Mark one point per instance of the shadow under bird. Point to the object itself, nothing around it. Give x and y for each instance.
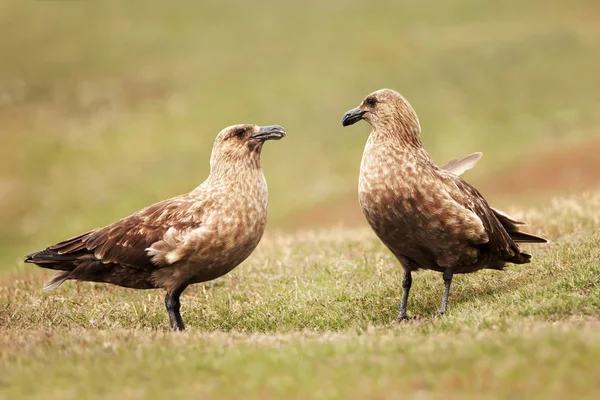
(427, 216)
(191, 238)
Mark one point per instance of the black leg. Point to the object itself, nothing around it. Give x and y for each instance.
(173, 305)
(447, 281)
(406, 283)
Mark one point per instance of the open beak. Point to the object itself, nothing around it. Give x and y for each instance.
(353, 116)
(271, 132)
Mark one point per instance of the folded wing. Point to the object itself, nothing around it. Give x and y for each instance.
(123, 243)
(458, 167)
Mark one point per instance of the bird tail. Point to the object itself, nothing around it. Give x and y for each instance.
(522, 237)
(52, 259)
(512, 228)
(64, 257)
(57, 280)
(61, 256)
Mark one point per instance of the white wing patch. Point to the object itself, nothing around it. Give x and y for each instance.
(174, 245)
(163, 252)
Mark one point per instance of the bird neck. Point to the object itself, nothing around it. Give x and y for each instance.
(396, 144)
(405, 136)
(228, 164)
(234, 174)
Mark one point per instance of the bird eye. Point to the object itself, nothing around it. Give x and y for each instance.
(240, 132)
(371, 101)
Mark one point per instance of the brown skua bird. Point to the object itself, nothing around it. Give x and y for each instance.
(427, 216)
(191, 238)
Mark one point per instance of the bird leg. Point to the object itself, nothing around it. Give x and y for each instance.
(406, 283)
(447, 281)
(173, 305)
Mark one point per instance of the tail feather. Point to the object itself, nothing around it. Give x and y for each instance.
(45, 257)
(522, 237)
(511, 226)
(57, 280)
(52, 259)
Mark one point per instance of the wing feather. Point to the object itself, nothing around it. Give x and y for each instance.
(460, 165)
(126, 241)
(499, 242)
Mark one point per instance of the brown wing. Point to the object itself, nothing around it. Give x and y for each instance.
(500, 243)
(123, 242)
(510, 225)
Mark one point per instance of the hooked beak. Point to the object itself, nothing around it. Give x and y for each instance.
(353, 116)
(271, 132)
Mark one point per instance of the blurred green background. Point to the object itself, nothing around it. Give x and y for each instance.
(108, 106)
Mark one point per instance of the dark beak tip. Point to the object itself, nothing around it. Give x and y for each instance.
(353, 116)
(271, 132)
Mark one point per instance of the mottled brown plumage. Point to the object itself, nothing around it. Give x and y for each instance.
(427, 216)
(188, 239)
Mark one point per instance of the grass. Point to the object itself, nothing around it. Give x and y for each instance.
(317, 319)
(109, 106)
(384, 365)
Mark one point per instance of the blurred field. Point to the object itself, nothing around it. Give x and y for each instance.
(109, 106)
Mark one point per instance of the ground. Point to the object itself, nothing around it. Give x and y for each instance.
(106, 107)
(318, 318)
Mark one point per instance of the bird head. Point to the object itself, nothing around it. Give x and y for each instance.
(385, 110)
(242, 144)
